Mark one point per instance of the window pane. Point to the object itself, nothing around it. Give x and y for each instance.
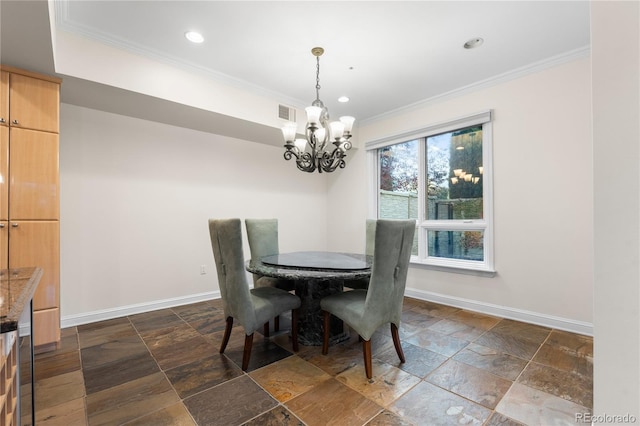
(454, 175)
(467, 245)
(398, 195)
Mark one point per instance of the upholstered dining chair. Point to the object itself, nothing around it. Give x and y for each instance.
(252, 308)
(363, 283)
(263, 241)
(366, 310)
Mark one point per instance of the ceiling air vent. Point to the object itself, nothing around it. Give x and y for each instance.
(286, 113)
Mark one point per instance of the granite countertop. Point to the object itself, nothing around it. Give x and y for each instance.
(313, 265)
(17, 287)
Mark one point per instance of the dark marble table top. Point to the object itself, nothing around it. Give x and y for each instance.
(17, 287)
(312, 265)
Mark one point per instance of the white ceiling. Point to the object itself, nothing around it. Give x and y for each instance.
(384, 55)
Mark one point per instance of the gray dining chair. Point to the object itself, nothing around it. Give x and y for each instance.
(252, 308)
(363, 283)
(263, 241)
(366, 310)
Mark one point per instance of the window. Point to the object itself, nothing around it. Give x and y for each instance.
(441, 177)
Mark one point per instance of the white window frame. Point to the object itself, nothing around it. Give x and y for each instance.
(423, 225)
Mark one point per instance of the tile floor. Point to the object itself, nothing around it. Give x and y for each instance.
(163, 368)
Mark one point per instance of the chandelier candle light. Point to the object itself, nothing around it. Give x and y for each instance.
(315, 152)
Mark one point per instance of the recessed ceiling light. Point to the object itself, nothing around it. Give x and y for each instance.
(343, 99)
(474, 42)
(194, 37)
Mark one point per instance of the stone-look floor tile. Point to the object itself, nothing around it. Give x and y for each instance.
(492, 360)
(440, 407)
(418, 361)
(68, 343)
(288, 378)
(387, 418)
(562, 359)
(231, 403)
(105, 376)
(457, 329)
(154, 320)
(54, 365)
(209, 325)
(202, 374)
(59, 389)
(534, 407)
(498, 419)
(517, 346)
(412, 322)
(387, 384)
(174, 415)
(130, 400)
(477, 385)
(168, 336)
(71, 413)
(339, 358)
(332, 403)
(173, 352)
(263, 352)
(474, 319)
(576, 344)
(117, 330)
(99, 325)
(279, 416)
(532, 332)
(566, 385)
(434, 309)
(113, 351)
(437, 342)
(197, 311)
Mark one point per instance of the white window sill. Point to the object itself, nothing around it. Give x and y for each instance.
(465, 270)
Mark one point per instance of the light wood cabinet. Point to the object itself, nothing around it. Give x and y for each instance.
(4, 244)
(4, 98)
(34, 188)
(4, 173)
(37, 243)
(34, 103)
(30, 191)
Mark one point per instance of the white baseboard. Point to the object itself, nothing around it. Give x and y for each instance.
(550, 321)
(559, 323)
(122, 311)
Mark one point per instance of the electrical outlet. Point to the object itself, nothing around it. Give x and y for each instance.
(203, 269)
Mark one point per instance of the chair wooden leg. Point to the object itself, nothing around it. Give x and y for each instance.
(248, 342)
(276, 323)
(366, 351)
(326, 316)
(227, 334)
(396, 342)
(294, 329)
(266, 329)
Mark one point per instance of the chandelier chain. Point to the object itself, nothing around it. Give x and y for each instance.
(318, 77)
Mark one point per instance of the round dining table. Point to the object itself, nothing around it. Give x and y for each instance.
(316, 274)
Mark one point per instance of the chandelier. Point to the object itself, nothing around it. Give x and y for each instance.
(326, 143)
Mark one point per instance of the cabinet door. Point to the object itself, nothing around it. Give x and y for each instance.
(4, 98)
(4, 173)
(34, 103)
(34, 186)
(4, 244)
(34, 243)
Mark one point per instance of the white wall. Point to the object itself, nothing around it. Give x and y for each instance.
(135, 200)
(615, 34)
(543, 197)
